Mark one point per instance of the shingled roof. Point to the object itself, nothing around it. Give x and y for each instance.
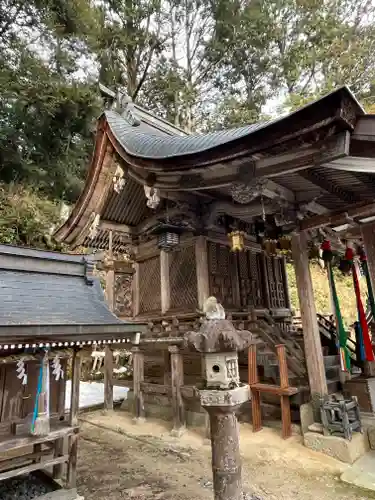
(54, 296)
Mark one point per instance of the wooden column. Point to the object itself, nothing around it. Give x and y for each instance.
(203, 282)
(368, 236)
(110, 276)
(256, 410)
(59, 443)
(311, 334)
(164, 282)
(108, 379)
(138, 378)
(266, 287)
(177, 381)
(135, 290)
(73, 420)
(288, 303)
(74, 397)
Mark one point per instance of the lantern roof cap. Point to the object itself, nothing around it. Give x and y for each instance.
(218, 335)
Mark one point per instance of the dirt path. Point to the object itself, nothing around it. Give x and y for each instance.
(144, 462)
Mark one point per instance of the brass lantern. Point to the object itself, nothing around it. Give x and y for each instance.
(237, 240)
(285, 244)
(270, 247)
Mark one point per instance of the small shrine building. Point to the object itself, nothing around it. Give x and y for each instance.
(216, 215)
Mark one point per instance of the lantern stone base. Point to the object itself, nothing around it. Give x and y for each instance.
(225, 398)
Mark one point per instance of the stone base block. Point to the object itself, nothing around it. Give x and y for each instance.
(307, 417)
(371, 436)
(337, 447)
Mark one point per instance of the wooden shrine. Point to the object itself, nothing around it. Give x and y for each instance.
(51, 309)
(217, 214)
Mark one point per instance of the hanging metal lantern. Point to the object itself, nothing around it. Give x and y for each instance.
(285, 244)
(237, 241)
(168, 236)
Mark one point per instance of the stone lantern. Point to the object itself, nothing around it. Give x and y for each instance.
(222, 395)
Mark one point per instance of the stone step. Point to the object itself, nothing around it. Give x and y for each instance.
(316, 427)
(331, 360)
(333, 372)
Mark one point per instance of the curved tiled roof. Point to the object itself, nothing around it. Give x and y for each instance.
(149, 142)
(144, 141)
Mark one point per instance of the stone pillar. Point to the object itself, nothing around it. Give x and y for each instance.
(225, 446)
(222, 396)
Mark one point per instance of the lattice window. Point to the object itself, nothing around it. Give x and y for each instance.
(149, 285)
(183, 279)
(276, 282)
(250, 280)
(220, 265)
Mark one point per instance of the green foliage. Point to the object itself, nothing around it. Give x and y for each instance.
(345, 291)
(26, 217)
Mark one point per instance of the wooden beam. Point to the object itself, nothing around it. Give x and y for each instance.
(74, 399)
(164, 282)
(326, 151)
(311, 333)
(106, 225)
(337, 218)
(203, 281)
(177, 381)
(72, 462)
(138, 378)
(108, 379)
(330, 187)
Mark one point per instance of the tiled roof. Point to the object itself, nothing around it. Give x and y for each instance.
(48, 290)
(144, 141)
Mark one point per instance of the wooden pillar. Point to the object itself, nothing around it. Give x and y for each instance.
(110, 276)
(74, 397)
(266, 286)
(73, 420)
(368, 236)
(177, 381)
(138, 378)
(203, 282)
(288, 303)
(164, 282)
(311, 334)
(108, 379)
(59, 443)
(256, 410)
(135, 290)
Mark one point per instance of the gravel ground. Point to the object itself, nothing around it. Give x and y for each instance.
(23, 488)
(120, 460)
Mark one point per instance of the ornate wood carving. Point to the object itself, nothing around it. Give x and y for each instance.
(123, 295)
(183, 279)
(149, 285)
